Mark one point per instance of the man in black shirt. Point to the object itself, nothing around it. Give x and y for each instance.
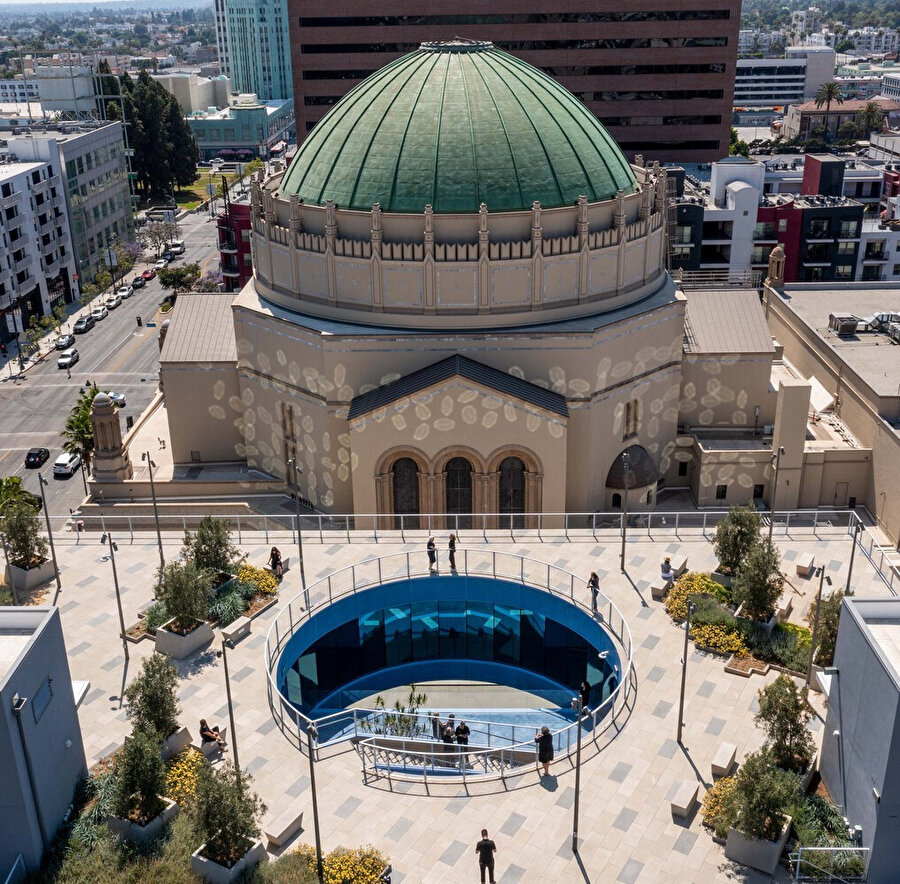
(462, 734)
(486, 849)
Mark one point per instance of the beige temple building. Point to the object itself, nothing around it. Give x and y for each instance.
(460, 306)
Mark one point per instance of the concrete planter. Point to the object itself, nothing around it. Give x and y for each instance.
(724, 579)
(175, 743)
(755, 852)
(137, 834)
(180, 646)
(810, 773)
(25, 579)
(213, 873)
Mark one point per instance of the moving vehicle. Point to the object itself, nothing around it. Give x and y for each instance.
(113, 301)
(63, 342)
(149, 274)
(66, 464)
(99, 313)
(118, 399)
(176, 247)
(34, 499)
(68, 358)
(36, 457)
(86, 323)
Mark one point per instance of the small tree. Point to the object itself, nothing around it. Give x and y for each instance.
(402, 720)
(21, 531)
(227, 813)
(141, 779)
(829, 620)
(735, 536)
(151, 703)
(761, 792)
(758, 582)
(783, 715)
(79, 431)
(179, 278)
(185, 591)
(210, 548)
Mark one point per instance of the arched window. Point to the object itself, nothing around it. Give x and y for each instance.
(406, 492)
(458, 480)
(617, 501)
(512, 493)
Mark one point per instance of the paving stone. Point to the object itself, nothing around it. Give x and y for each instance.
(656, 673)
(685, 842)
(650, 642)
(619, 772)
(298, 787)
(512, 875)
(668, 749)
(630, 872)
(625, 818)
(663, 708)
(706, 689)
(399, 829)
(241, 674)
(715, 726)
(79, 649)
(348, 807)
(512, 824)
(115, 663)
(566, 797)
(452, 855)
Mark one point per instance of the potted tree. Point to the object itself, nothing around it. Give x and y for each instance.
(26, 550)
(227, 820)
(784, 714)
(758, 583)
(151, 705)
(735, 536)
(211, 550)
(140, 810)
(185, 591)
(755, 810)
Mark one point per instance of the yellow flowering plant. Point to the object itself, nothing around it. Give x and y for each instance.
(693, 583)
(361, 865)
(181, 776)
(714, 808)
(264, 580)
(719, 638)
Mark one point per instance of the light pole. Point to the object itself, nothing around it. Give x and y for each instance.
(687, 632)
(579, 710)
(625, 464)
(312, 734)
(297, 472)
(150, 465)
(43, 482)
(228, 643)
(812, 649)
(84, 477)
(857, 527)
(107, 538)
(775, 459)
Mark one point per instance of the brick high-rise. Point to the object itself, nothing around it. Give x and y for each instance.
(659, 76)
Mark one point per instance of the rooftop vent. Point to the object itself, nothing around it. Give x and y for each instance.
(842, 325)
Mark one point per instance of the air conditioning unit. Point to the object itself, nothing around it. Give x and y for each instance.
(842, 325)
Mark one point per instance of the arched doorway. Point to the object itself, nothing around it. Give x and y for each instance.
(512, 493)
(406, 492)
(458, 484)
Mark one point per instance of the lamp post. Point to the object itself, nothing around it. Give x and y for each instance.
(312, 733)
(625, 464)
(857, 527)
(43, 482)
(687, 632)
(84, 476)
(107, 538)
(150, 465)
(297, 472)
(812, 649)
(775, 459)
(579, 710)
(228, 643)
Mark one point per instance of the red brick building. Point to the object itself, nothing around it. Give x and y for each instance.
(233, 229)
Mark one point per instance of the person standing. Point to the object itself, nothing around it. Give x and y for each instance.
(436, 725)
(462, 734)
(448, 735)
(486, 849)
(432, 556)
(452, 545)
(584, 692)
(594, 587)
(544, 739)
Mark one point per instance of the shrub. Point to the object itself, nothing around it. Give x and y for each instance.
(829, 619)
(710, 612)
(735, 536)
(762, 790)
(182, 774)
(264, 581)
(141, 779)
(714, 808)
(150, 699)
(210, 548)
(156, 615)
(689, 584)
(783, 715)
(21, 530)
(361, 865)
(758, 582)
(227, 608)
(185, 591)
(99, 794)
(719, 638)
(790, 646)
(227, 813)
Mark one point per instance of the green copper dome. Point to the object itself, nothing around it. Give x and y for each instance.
(456, 125)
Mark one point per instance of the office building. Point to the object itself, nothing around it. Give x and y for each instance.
(780, 81)
(259, 53)
(658, 76)
(196, 93)
(222, 37)
(245, 125)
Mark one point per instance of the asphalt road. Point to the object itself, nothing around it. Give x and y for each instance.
(115, 354)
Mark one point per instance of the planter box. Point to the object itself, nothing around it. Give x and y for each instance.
(724, 579)
(25, 579)
(130, 831)
(213, 873)
(810, 773)
(755, 852)
(180, 646)
(175, 743)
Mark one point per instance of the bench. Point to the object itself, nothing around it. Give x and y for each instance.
(723, 761)
(679, 564)
(784, 605)
(281, 828)
(237, 630)
(659, 589)
(805, 563)
(212, 747)
(685, 799)
(285, 566)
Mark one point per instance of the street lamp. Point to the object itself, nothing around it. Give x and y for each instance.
(312, 733)
(812, 648)
(857, 527)
(579, 710)
(228, 643)
(42, 482)
(150, 465)
(107, 538)
(84, 476)
(297, 471)
(625, 463)
(687, 631)
(775, 459)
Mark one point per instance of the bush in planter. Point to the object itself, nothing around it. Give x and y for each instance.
(140, 779)
(263, 580)
(693, 583)
(21, 530)
(709, 611)
(156, 615)
(790, 646)
(151, 704)
(735, 536)
(361, 865)
(829, 619)
(783, 715)
(210, 548)
(182, 773)
(227, 608)
(714, 808)
(719, 638)
(227, 813)
(758, 582)
(185, 591)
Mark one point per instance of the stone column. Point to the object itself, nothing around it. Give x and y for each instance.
(110, 462)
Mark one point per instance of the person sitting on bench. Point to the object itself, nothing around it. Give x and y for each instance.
(211, 735)
(275, 562)
(666, 572)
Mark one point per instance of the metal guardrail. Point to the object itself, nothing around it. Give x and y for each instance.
(17, 871)
(834, 865)
(400, 566)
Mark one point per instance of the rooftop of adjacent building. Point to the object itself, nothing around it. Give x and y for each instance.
(243, 102)
(17, 628)
(879, 621)
(12, 170)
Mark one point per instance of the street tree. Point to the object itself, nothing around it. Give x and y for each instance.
(157, 234)
(179, 278)
(78, 432)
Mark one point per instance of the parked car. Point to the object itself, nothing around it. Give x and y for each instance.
(149, 274)
(99, 313)
(118, 399)
(68, 358)
(125, 291)
(66, 464)
(36, 457)
(63, 342)
(169, 256)
(113, 301)
(137, 283)
(86, 323)
(161, 264)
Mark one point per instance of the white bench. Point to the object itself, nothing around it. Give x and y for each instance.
(659, 589)
(805, 563)
(211, 747)
(237, 630)
(679, 564)
(285, 565)
(723, 761)
(281, 828)
(784, 605)
(685, 799)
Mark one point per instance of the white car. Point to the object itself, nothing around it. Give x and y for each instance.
(99, 313)
(67, 358)
(161, 264)
(113, 301)
(125, 291)
(118, 399)
(66, 464)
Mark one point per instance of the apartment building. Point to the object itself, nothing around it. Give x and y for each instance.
(659, 76)
(233, 231)
(18, 90)
(780, 81)
(259, 55)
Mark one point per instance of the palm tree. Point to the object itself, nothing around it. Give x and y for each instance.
(826, 94)
(12, 493)
(78, 431)
(870, 118)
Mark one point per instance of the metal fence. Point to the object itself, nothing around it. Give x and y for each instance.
(831, 864)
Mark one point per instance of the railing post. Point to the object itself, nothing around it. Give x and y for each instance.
(704, 524)
(321, 537)
(375, 523)
(521, 569)
(380, 581)
(787, 523)
(494, 564)
(548, 578)
(484, 527)
(184, 523)
(402, 529)
(131, 529)
(566, 524)
(266, 528)
(347, 522)
(594, 526)
(677, 515)
(815, 520)
(540, 523)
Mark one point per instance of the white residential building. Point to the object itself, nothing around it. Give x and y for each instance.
(875, 40)
(18, 90)
(805, 22)
(782, 81)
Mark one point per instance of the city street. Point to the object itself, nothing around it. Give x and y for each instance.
(116, 354)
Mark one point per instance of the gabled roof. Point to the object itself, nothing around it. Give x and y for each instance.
(725, 321)
(463, 367)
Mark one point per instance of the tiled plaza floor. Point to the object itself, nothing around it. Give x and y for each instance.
(627, 831)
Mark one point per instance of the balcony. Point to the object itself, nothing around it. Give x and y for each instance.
(228, 246)
(231, 271)
(12, 200)
(22, 263)
(875, 255)
(40, 186)
(820, 233)
(47, 226)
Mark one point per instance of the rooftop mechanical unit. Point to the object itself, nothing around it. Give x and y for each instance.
(842, 325)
